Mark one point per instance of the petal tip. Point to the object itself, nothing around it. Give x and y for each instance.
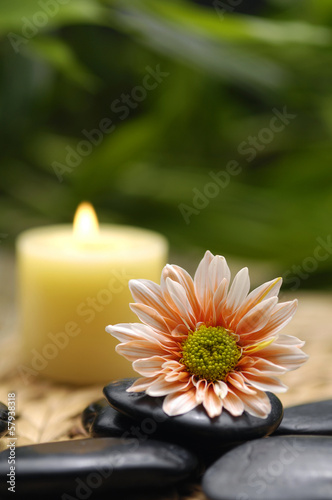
(133, 282)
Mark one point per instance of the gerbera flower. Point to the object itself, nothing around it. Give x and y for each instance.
(204, 341)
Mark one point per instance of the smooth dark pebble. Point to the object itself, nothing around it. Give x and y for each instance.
(87, 466)
(99, 419)
(312, 418)
(195, 425)
(276, 468)
(3, 420)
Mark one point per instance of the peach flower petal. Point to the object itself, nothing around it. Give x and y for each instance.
(233, 404)
(257, 405)
(237, 380)
(149, 367)
(179, 275)
(263, 292)
(149, 293)
(201, 280)
(212, 403)
(181, 303)
(264, 383)
(257, 317)
(178, 403)
(239, 290)
(138, 349)
(161, 387)
(150, 317)
(280, 317)
(218, 271)
(136, 331)
(141, 384)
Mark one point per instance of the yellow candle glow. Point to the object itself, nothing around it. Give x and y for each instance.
(72, 284)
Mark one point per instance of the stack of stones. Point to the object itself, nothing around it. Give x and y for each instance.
(137, 448)
(138, 416)
(294, 463)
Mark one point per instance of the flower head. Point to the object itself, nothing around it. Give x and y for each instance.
(207, 341)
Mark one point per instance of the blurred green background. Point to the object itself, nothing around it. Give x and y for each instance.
(165, 96)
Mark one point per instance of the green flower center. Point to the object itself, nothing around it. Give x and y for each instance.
(210, 352)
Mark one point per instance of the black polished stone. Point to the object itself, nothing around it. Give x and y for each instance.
(311, 418)
(276, 468)
(100, 419)
(3, 419)
(195, 425)
(93, 466)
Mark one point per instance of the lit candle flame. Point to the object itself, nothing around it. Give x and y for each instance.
(86, 224)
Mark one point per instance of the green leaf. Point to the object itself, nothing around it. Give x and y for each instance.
(219, 24)
(27, 18)
(62, 58)
(197, 49)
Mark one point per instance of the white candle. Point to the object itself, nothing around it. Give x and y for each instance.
(74, 283)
